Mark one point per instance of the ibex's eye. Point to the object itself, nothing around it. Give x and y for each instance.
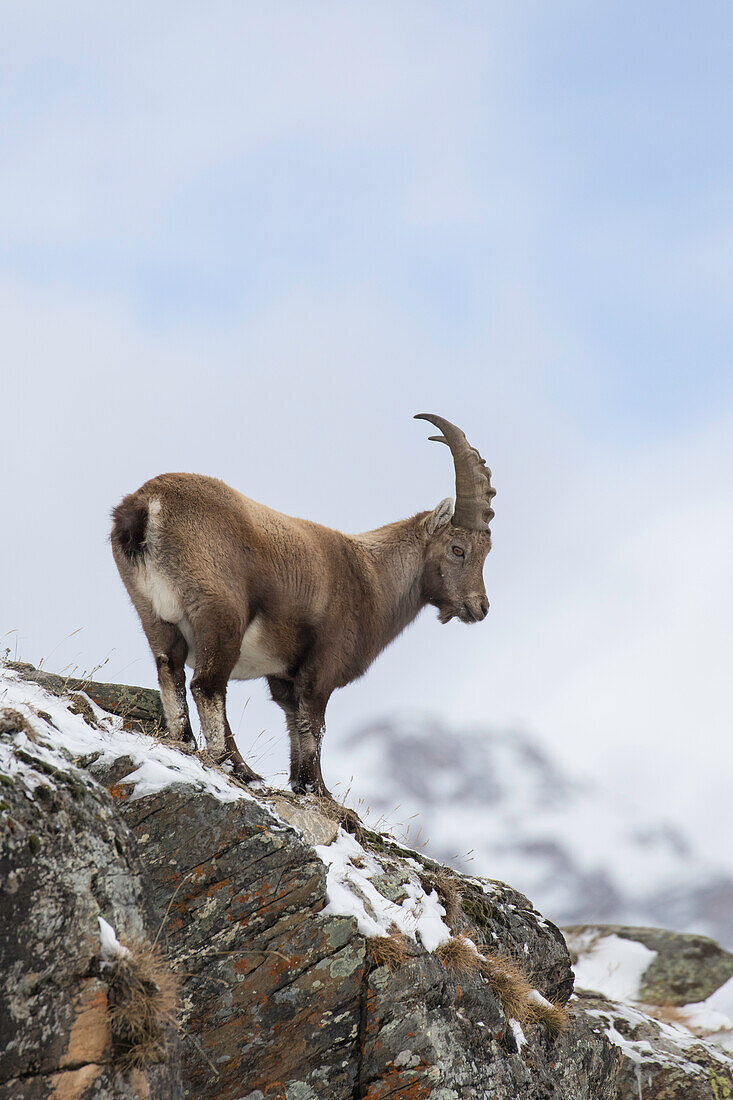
(458, 551)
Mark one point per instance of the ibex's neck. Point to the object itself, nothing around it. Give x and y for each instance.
(396, 555)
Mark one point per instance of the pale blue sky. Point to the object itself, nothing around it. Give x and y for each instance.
(251, 240)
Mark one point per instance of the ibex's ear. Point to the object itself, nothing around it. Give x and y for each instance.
(439, 516)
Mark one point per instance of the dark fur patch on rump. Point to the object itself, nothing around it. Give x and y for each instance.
(130, 527)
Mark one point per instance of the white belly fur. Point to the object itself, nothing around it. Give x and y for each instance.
(255, 660)
(152, 584)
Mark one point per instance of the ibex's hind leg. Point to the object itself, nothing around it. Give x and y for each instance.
(170, 661)
(169, 649)
(217, 642)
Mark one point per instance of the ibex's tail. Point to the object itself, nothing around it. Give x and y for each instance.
(130, 526)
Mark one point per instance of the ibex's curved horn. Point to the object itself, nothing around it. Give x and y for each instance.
(473, 478)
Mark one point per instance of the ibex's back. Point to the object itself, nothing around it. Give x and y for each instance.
(240, 591)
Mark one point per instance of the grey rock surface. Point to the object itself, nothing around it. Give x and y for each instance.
(278, 996)
(139, 707)
(66, 858)
(660, 1061)
(283, 997)
(687, 968)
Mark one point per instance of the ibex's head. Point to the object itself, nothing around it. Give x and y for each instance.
(459, 539)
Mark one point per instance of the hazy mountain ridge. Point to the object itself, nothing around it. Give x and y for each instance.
(580, 852)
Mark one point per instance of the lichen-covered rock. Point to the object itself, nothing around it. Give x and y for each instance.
(66, 859)
(281, 1000)
(282, 994)
(660, 1061)
(674, 1027)
(276, 920)
(273, 916)
(685, 968)
(267, 989)
(428, 1034)
(140, 708)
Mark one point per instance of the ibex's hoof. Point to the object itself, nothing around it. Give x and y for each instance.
(233, 762)
(230, 764)
(180, 746)
(318, 789)
(243, 771)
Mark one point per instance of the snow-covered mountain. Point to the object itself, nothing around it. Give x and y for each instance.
(493, 803)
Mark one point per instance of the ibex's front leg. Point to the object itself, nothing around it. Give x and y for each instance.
(311, 726)
(283, 693)
(305, 719)
(217, 641)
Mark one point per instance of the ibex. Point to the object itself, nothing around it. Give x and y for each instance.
(239, 591)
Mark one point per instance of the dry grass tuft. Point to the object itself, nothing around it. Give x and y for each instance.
(389, 951)
(508, 982)
(12, 721)
(519, 999)
(350, 821)
(554, 1016)
(141, 1005)
(458, 955)
(450, 896)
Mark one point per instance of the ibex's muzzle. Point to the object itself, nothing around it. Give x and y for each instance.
(475, 609)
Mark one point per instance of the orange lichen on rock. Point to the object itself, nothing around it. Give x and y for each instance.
(89, 1038)
(74, 1084)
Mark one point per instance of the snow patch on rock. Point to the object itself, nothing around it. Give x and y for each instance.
(352, 893)
(615, 966)
(611, 965)
(110, 948)
(63, 734)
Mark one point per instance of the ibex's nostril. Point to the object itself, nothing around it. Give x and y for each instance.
(475, 609)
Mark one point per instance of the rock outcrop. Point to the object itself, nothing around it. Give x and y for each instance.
(316, 959)
(660, 1061)
(676, 970)
(66, 859)
(666, 1000)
